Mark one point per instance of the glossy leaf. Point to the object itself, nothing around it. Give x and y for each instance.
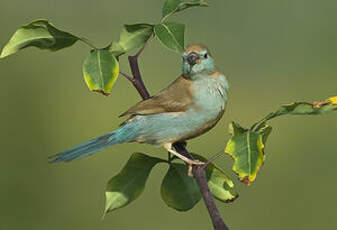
(128, 185)
(246, 147)
(131, 37)
(134, 36)
(41, 34)
(116, 49)
(170, 6)
(220, 185)
(171, 35)
(178, 190)
(173, 6)
(303, 108)
(100, 71)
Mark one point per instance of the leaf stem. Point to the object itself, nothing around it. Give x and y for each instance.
(87, 42)
(210, 160)
(145, 44)
(198, 171)
(126, 76)
(164, 18)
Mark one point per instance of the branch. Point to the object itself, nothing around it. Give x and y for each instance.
(200, 177)
(198, 171)
(137, 78)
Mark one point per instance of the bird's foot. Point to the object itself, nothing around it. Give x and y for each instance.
(188, 161)
(190, 167)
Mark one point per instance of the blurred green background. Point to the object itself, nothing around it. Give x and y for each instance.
(273, 52)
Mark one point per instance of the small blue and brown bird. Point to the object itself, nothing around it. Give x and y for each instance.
(187, 108)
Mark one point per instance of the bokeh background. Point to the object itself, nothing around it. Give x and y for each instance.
(273, 52)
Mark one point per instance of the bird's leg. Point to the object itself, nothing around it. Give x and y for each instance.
(190, 162)
(169, 148)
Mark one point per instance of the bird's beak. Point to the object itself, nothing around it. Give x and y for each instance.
(192, 58)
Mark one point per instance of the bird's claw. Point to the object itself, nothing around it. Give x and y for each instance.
(190, 167)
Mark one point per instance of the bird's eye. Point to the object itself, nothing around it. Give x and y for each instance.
(205, 56)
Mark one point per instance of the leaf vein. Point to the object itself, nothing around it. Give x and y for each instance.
(100, 68)
(170, 33)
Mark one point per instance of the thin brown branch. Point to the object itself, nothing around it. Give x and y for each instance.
(145, 44)
(137, 79)
(198, 171)
(210, 160)
(126, 76)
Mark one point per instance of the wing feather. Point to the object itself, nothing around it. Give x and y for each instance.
(177, 97)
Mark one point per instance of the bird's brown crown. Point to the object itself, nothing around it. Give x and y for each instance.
(195, 48)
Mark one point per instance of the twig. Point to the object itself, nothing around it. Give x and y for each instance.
(198, 171)
(87, 42)
(126, 76)
(210, 160)
(145, 44)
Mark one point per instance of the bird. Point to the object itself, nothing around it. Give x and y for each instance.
(190, 106)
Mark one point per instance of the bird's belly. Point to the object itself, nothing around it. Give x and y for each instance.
(204, 127)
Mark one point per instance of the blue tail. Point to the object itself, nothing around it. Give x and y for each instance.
(95, 145)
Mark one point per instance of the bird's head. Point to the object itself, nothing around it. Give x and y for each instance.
(197, 60)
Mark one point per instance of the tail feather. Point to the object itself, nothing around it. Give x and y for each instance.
(87, 148)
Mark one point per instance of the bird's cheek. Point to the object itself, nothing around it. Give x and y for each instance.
(186, 68)
(197, 67)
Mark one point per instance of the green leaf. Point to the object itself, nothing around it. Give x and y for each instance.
(171, 34)
(265, 131)
(303, 108)
(178, 190)
(100, 70)
(131, 37)
(170, 6)
(128, 185)
(173, 6)
(116, 49)
(220, 185)
(246, 147)
(41, 34)
(134, 36)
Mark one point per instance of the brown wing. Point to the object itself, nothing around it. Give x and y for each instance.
(177, 97)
